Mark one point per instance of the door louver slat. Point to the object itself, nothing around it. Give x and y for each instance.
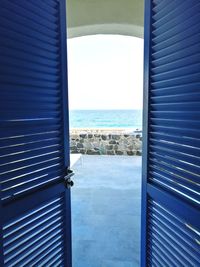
(34, 151)
(170, 157)
(27, 238)
(171, 168)
(30, 164)
(176, 237)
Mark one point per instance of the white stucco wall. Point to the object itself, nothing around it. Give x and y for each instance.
(88, 17)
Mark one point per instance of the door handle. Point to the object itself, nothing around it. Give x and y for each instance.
(67, 179)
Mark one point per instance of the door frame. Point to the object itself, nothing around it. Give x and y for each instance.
(66, 142)
(145, 123)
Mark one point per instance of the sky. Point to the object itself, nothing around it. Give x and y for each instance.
(105, 72)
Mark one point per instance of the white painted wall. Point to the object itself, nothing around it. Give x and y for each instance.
(89, 17)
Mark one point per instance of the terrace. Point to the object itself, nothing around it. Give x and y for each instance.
(106, 211)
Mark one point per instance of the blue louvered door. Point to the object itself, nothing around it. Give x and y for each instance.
(171, 158)
(34, 154)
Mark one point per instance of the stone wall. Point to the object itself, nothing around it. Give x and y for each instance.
(106, 142)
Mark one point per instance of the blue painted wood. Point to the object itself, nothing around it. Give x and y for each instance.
(68, 238)
(1, 233)
(171, 147)
(35, 221)
(147, 56)
(17, 208)
(176, 204)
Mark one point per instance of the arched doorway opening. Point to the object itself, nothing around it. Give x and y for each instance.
(105, 89)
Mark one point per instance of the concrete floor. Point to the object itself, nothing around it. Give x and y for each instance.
(106, 211)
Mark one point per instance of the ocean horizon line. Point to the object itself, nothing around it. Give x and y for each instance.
(129, 118)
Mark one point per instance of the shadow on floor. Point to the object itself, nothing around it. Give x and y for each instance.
(106, 211)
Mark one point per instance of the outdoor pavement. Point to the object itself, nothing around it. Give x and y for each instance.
(106, 200)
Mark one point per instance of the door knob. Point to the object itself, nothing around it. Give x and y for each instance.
(69, 183)
(67, 179)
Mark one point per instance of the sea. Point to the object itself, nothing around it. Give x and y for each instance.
(131, 119)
